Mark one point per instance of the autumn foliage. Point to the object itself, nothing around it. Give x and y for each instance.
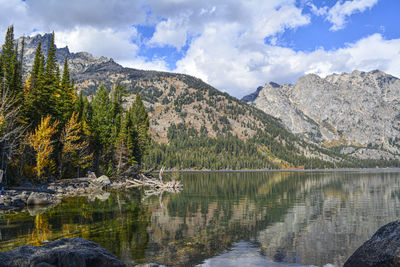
(41, 141)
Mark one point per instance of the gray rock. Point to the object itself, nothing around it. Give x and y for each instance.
(91, 175)
(101, 181)
(40, 198)
(383, 249)
(66, 252)
(358, 109)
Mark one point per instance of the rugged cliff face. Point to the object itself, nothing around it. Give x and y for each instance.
(357, 113)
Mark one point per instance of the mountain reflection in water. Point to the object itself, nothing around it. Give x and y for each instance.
(299, 218)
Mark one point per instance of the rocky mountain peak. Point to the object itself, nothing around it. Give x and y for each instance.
(358, 112)
(78, 62)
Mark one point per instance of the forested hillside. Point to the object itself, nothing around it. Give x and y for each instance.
(47, 131)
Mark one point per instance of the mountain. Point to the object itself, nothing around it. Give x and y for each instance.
(356, 113)
(193, 124)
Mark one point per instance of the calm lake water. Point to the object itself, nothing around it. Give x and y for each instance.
(225, 219)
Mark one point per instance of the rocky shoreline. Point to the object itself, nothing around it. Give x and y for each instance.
(18, 198)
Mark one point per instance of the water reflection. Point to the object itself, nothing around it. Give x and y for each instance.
(305, 218)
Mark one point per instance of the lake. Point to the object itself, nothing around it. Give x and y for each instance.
(224, 219)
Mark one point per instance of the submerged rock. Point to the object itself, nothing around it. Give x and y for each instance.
(383, 249)
(66, 252)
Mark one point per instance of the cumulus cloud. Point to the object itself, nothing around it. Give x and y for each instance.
(240, 72)
(341, 10)
(222, 42)
(171, 32)
(144, 64)
(100, 42)
(60, 15)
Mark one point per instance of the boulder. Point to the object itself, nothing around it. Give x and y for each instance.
(65, 252)
(41, 198)
(382, 249)
(101, 181)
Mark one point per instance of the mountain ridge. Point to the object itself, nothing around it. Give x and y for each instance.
(355, 113)
(183, 108)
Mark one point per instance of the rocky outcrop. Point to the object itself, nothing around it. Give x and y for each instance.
(66, 252)
(383, 249)
(358, 112)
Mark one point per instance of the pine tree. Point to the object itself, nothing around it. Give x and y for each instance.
(102, 117)
(101, 123)
(41, 141)
(123, 155)
(30, 113)
(67, 94)
(51, 65)
(43, 97)
(18, 73)
(117, 101)
(47, 91)
(140, 129)
(9, 62)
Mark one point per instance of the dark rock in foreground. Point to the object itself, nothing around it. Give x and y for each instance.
(66, 252)
(383, 249)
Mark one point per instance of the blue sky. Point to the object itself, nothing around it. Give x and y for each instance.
(234, 45)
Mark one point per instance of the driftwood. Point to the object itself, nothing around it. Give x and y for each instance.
(157, 187)
(145, 181)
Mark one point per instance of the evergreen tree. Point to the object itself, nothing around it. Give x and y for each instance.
(138, 124)
(18, 73)
(117, 94)
(123, 153)
(102, 117)
(101, 123)
(51, 65)
(9, 62)
(67, 94)
(47, 92)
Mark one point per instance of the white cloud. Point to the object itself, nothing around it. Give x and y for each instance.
(171, 32)
(14, 12)
(340, 11)
(58, 15)
(318, 11)
(225, 38)
(144, 64)
(107, 42)
(241, 71)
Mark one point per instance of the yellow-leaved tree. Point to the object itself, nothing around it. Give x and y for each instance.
(40, 141)
(75, 150)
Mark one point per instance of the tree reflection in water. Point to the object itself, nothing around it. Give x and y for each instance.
(311, 219)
